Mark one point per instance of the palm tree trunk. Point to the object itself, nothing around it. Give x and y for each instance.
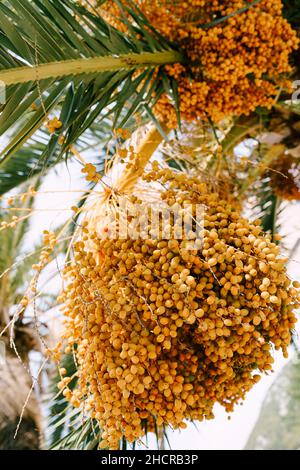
(15, 385)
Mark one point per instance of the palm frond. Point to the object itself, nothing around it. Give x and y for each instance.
(291, 10)
(59, 55)
(267, 207)
(31, 161)
(12, 238)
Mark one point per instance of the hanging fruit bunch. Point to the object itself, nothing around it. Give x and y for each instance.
(162, 331)
(237, 54)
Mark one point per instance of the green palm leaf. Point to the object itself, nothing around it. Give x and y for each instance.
(59, 56)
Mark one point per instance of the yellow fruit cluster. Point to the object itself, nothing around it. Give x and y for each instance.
(91, 173)
(160, 332)
(233, 66)
(285, 178)
(53, 125)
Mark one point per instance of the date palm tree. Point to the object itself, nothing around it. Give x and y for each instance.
(62, 58)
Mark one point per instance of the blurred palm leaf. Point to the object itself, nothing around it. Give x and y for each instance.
(11, 249)
(268, 207)
(278, 426)
(291, 10)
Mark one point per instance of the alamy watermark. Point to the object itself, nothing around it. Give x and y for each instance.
(154, 221)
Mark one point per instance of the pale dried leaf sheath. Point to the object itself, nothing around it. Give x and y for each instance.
(142, 154)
